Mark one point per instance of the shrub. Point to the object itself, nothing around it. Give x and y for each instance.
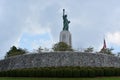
(62, 72)
(75, 72)
(67, 72)
(84, 72)
(99, 72)
(117, 71)
(108, 72)
(52, 73)
(59, 72)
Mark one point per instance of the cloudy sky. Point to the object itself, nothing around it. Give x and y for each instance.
(33, 23)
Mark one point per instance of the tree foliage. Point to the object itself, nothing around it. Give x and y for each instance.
(61, 46)
(107, 51)
(14, 51)
(89, 49)
(39, 50)
(63, 72)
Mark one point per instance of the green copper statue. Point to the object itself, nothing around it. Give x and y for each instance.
(65, 21)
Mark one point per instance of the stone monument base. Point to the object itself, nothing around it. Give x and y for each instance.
(65, 37)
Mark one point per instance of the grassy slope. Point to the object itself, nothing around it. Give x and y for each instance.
(104, 78)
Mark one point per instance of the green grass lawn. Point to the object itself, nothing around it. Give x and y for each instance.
(103, 78)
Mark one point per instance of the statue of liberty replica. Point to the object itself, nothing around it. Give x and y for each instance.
(65, 35)
(65, 21)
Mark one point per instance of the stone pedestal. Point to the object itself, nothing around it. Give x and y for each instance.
(65, 37)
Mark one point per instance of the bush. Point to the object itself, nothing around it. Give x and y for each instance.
(67, 72)
(117, 72)
(109, 71)
(75, 72)
(59, 72)
(99, 72)
(52, 73)
(91, 73)
(84, 72)
(62, 72)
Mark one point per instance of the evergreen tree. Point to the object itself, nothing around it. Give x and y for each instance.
(14, 51)
(61, 46)
(89, 49)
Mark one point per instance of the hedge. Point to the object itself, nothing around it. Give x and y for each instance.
(62, 72)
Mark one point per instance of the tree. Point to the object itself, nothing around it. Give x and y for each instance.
(118, 54)
(39, 50)
(89, 49)
(14, 51)
(107, 51)
(46, 49)
(61, 46)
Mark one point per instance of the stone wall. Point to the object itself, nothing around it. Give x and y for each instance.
(60, 59)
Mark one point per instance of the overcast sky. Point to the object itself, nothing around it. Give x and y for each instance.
(33, 23)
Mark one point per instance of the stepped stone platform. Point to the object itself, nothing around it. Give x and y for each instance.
(56, 59)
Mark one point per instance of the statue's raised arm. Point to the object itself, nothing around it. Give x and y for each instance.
(65, 21)
(63, 12)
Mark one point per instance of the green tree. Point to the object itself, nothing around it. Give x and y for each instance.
(39, 50)
(61, 46)
(14, 51)
(107, 51)
(89, 49)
